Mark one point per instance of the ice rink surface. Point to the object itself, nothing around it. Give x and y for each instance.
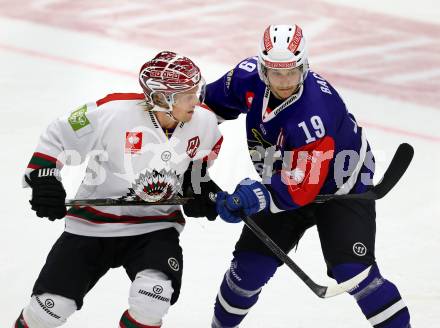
(383, 57)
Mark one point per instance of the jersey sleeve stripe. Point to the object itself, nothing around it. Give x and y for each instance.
(40, 160)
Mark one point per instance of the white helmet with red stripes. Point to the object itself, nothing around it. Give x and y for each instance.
(282, 47)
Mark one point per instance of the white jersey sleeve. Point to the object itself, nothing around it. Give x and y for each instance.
(68, 139)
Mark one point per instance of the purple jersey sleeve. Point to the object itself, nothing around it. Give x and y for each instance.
(227, 96)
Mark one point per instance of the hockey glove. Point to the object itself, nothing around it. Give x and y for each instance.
(202, 205)
(48, 194)
(249, 197)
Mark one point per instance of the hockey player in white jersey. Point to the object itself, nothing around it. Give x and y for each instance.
(140, 147)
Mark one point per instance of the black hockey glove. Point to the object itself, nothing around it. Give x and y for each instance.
(48, 194)
(201, 205)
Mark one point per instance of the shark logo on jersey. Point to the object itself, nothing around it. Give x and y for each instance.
(155, 186)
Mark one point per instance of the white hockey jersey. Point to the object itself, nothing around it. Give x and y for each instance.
(130, 155)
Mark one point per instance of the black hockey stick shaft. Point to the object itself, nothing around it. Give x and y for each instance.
(398, 166)
(282, 256)
(124, 202)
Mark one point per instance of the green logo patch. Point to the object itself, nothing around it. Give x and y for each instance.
(78, 118)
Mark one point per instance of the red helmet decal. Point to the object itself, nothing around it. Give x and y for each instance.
(168, 73)
(296, 39)
(266, 39)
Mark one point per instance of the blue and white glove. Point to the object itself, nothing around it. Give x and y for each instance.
(249, 197)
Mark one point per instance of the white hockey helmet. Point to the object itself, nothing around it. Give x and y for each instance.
(282, 47)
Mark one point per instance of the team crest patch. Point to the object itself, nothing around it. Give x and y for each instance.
(133, 142)
(193, 145)
(155, 186)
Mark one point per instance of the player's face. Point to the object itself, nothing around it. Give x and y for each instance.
(284, 82)
(184, 104)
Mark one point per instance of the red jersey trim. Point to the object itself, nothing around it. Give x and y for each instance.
(214, 151)
(120, 96)
(205, 106)
(312, 162)
(95, 216)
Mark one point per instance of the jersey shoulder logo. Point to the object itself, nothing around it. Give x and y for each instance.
(79, 122)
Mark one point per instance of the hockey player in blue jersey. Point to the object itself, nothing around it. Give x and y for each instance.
(303, 142)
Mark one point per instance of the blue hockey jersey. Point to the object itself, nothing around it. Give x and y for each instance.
(306, 145)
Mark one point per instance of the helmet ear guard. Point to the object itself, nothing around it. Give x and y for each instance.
(282, 47)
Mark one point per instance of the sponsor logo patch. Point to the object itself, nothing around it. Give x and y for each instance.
(78, 119)
(133, 142)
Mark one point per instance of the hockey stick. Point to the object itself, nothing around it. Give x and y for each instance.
(320, 291)
(400, 162)
(124, 202)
